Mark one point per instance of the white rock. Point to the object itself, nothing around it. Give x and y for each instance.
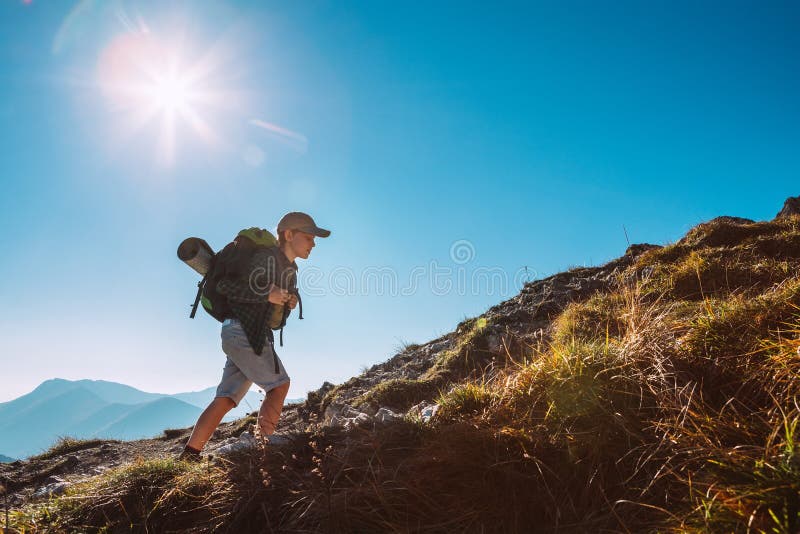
(333, 410)
(369, 410)
(337, 420)
(362, 419)
(429, 412)
(385, 415)
(350, 412)
(245, 441)
(57, 488)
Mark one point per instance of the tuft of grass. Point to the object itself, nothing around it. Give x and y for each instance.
(68, 444)
(148, 495)
(722, 257)
(466, 400)
(753, 489)
(405, 346)
(245, 423)
(468, 357)
(599, 317)
(747, 348)
(717, 273)
(726, 232)
(399, 394)
(172, 433)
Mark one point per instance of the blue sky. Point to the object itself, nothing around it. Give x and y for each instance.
(479, 138)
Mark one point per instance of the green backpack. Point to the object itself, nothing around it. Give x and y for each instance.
(233, 262)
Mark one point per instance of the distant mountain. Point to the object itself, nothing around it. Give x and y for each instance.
(36, 424)
(96, 408)
(6, 459)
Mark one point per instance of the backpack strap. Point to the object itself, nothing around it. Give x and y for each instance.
(299, 302)
(271, 339)
(296, 293)
(200, 286)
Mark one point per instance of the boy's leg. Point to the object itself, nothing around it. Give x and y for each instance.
(232, 388)
(271, 407)
(208, 422)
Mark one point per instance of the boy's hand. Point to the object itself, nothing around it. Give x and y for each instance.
(292, 302)
(278, 296)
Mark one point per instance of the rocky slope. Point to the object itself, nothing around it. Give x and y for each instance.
(513, 383)
(522, 319)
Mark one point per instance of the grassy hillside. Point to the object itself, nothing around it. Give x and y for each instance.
(667, 402)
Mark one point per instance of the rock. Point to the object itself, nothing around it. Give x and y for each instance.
(245, 441)
(385, 415)
(790, 207)
(347, 418)
(638, 248)
(417, 408)
(496, 342)
(371, 410)
(277, 440)
(65, 465)
(337, 421)
(53, 486)
(429, 413)
(323, 390)
(342, 411)
(333, 410)
(361, 420)
(424, 410)
(438, 346)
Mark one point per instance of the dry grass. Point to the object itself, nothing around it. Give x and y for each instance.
(717, 273)
(154, 495)
(67, 444)
(722, 257)
(469, 357)
(596, 318)
(399, 394)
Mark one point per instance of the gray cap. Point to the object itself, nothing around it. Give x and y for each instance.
(297, 220)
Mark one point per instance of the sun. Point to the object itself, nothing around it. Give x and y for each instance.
(150, 82)
(170, 93)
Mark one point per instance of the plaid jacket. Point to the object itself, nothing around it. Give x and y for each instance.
(247, 296)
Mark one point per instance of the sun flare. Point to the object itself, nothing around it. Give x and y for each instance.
(170, 93)
(146, 80)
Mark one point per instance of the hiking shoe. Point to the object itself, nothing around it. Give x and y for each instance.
(190, 456)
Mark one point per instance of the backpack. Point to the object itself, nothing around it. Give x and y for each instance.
(233, 262)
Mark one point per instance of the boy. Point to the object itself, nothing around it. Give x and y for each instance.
(258, 301)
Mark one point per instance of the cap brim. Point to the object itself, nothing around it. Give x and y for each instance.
(315, 230)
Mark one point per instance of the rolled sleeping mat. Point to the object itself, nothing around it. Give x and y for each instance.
(196, 253)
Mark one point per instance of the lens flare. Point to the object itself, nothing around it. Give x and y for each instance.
(145, 80)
